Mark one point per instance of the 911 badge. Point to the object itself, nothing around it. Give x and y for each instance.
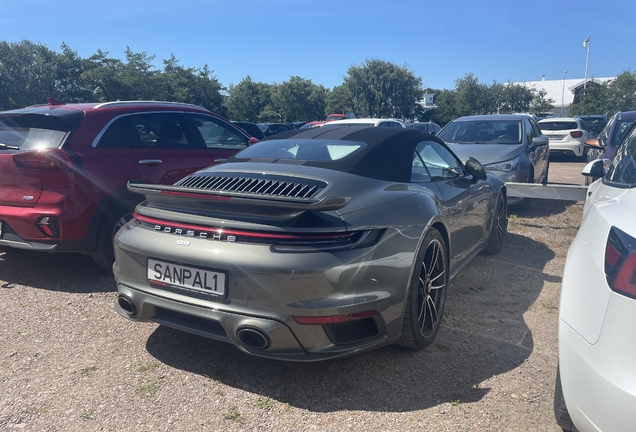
(182, 243)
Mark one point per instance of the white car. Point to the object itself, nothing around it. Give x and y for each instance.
(567, 135)
(366, 122)
(596, 378)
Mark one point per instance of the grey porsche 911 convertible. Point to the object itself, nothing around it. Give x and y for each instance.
(311, 245)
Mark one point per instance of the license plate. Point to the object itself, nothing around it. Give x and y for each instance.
(186, 277)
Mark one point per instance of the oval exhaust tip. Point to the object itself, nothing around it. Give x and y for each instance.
(127, 305)
(252, 338)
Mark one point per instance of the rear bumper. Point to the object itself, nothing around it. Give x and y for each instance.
(284, 336)
(599, 380)
(572, 148)
(20, 231)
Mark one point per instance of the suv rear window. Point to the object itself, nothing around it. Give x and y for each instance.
(558, 125)
(310, 150)
(30, 132)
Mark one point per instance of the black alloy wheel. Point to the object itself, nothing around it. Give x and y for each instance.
(427, 293)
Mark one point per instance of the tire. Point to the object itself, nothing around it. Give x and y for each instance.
(116, 217)
(426, 293)
(499, 227)
(561, 414)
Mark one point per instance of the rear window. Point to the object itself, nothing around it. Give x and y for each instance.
(309, 150)
(29, 132)
(558, 125)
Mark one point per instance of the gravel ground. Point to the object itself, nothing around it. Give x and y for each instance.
(68, 362)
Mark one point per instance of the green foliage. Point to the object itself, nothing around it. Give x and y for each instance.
(382, 89)
(338, 100)
(30, 72)
(607, 97)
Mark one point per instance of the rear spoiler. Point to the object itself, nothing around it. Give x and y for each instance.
(232, 202)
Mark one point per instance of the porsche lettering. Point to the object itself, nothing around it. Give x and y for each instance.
(195, 233)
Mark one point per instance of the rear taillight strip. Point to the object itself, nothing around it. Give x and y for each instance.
(241, 233)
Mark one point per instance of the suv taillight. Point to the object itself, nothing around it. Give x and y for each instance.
(47, 159)
(620, 262)
(576, 134)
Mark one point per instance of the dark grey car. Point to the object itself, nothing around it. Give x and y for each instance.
(315, 244)
(510, 146)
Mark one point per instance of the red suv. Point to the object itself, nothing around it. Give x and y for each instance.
(64, 167)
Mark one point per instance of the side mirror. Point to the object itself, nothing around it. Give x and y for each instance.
(475, 169)
(540, 140)
(253, 140)
(593, 143)
(596, 168)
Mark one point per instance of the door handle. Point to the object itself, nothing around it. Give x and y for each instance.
(219, 160)
(150, 161)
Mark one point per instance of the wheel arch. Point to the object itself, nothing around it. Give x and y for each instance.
(117, 197)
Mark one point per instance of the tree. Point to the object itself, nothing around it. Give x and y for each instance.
(339, 100)
(248, 99)
(190, 85)
(28, 74)
(382, 89)
(471, 96)
(622, 92)
(540, 103)
(301, 99)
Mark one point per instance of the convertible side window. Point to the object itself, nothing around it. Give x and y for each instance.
(440, 162)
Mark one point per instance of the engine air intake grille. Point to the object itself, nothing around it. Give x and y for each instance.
(279, 186)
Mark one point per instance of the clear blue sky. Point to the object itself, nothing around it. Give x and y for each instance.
(271, 40)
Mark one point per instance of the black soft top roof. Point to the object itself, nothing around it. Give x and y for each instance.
(388, 154)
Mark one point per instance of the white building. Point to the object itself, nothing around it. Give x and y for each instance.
(562, 91)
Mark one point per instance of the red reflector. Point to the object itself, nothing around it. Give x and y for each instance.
(624, 281)
(576, 134)
(196, 195)
(334, 319)
(156, 282)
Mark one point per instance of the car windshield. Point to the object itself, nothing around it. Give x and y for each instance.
(482, 132)
(310, 150)
(557, 125)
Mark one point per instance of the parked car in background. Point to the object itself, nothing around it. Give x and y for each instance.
(594, 123)
(270, 129)
(567, 135)
(366, 122)
(251, 129)
(508, 145)
(605, 145)
(429, 127)
(332, 117)
(596, 379)
(346, 240)
(65, 167)
(312, 124)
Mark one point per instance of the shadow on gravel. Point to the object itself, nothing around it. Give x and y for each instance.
(483, 335)
(73, 273)
(540, 208)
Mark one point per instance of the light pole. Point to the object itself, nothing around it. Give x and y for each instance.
(563, 93)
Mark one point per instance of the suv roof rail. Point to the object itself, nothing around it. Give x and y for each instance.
(125, 103)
